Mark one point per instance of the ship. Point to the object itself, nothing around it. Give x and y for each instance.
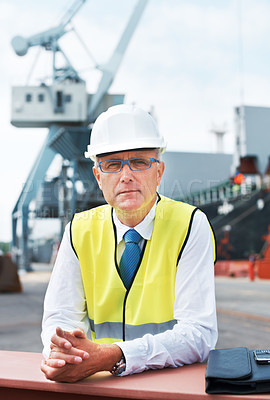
(234, 192)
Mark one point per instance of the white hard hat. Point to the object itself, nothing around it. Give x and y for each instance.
(123, 127)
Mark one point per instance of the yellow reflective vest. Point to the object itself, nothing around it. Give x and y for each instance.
(116, 313)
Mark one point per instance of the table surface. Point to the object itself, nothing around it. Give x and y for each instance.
(19, 370)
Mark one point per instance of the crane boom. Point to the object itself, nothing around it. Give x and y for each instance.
(110, 68)
(71, 12)
(47, 38)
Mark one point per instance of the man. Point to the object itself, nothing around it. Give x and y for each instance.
(133, 284)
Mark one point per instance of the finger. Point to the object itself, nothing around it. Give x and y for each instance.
(45, 367)
(63, 334)
(59, 340)
(48, 371)
(69, 338)
(60, 332)
(72, 352)
(79, 333)
(69, 359)
(55, 363)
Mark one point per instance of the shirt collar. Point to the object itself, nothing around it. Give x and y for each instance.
(144, 228)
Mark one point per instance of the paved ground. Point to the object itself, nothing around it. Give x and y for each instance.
(243, 312)
(21, 313)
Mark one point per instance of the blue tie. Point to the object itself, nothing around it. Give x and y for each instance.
(130, 257)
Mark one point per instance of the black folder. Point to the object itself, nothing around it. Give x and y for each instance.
(235, 371)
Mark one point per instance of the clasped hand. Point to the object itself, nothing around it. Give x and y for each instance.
(73, 357)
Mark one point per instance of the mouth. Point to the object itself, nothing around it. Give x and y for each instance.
(130, 191)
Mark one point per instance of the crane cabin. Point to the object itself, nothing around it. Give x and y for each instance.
(42, 106)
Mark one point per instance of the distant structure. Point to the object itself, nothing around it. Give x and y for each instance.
(68, 111)
(187, 174)
(219, 132)
(252, 138)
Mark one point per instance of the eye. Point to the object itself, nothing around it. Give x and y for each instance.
(112, 165)
(140, 163)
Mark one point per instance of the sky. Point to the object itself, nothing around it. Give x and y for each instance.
(193, 61)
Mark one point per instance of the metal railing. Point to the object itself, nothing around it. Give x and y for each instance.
(227, 191)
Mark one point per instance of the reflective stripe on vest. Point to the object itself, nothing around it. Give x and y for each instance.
(115, 329)
(115, 313)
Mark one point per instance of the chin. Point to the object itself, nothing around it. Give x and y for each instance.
(129, 206)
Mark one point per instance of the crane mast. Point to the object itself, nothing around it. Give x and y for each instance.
(67, 110)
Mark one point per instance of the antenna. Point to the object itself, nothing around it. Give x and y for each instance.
(240, 52)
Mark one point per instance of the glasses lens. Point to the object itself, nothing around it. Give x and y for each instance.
(111, 165)
(140, 163)
(136, 164)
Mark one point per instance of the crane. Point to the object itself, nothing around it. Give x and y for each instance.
(49, 40)
(68, 111)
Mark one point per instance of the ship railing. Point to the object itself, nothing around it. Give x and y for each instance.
(227, 191)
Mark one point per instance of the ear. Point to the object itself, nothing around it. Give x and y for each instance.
(160, 170)
(96, 173)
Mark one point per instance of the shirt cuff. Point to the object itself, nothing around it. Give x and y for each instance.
(135, 353)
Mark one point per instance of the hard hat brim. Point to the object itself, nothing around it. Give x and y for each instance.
(95, 150)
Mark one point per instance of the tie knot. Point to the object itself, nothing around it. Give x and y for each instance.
(132, 236)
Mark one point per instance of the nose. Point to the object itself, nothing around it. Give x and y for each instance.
(126, 173)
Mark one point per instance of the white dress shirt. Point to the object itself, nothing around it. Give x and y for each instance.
(195, 333)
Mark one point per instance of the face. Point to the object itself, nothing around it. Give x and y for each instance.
(130, 192)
